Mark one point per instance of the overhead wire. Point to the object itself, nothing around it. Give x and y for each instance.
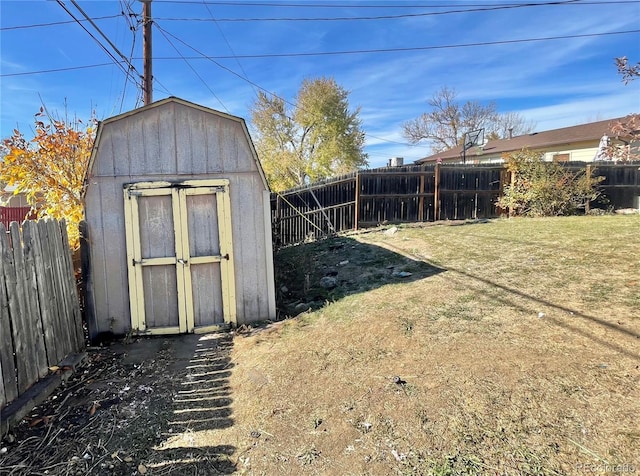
(162, 32)
(56, 70)
(376, 5)
(104, 48)
(226, 41)
(415, 48)
(386, 17)
(40, 25)
(129, 74)
(132, 28)
(491, 6)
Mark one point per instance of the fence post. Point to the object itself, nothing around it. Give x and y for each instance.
(512, 181)
(504, 175)
(587, 205)
(436, 194)
(357, 202)
(421, 199)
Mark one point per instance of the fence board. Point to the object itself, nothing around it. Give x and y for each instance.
(62, 328)
(72, 290)
(44, 289)
(15, 291)
(37, 345)
(8, 375)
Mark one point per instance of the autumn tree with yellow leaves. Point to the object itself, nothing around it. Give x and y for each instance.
(49, 169)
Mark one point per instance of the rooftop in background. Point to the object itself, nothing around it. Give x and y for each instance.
(582, 137)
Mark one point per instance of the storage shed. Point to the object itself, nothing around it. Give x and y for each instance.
(178, 228)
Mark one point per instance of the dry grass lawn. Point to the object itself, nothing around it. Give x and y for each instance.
(516, 342)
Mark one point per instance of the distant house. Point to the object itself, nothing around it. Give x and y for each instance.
(13, 207)
(568, 144)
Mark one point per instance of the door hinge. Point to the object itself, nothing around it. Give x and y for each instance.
(226, 257)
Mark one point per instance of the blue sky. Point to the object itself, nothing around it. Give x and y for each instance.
(553, 83)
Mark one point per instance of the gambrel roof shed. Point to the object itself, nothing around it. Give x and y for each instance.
(178, 229)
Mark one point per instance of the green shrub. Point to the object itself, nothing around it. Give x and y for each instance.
(540, 188)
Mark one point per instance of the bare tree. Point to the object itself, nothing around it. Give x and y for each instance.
(628, 71)
(448, 120)
(627, 130)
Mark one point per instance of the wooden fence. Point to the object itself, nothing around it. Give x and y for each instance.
(40, 320)
(417, 193)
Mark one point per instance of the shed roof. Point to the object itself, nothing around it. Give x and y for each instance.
(163, 102)
(592, 131)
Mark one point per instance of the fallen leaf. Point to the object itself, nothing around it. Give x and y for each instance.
(54, 368)
(128, 459)
(93, 408)
(142, 469)
(34, 422)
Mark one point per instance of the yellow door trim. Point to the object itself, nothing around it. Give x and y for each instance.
(129, 205)
(226, 265)
(182, 260)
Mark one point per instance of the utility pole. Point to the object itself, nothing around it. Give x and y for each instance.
(147, 78)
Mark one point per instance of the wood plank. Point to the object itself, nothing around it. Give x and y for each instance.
(55, 351)
(8, 371)
(22, 337)
(38, 350)
(73, 291)
(63, 284)
(61, 331)
(3, 398)
(47, 316)
(227, 266)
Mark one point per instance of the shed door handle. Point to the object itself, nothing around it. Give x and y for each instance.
(181, 261)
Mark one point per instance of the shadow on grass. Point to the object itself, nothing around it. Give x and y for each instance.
(614, 345)
(562, 323)
(201, 404)
(310, 275)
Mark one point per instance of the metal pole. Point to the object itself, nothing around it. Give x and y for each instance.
(147, 79)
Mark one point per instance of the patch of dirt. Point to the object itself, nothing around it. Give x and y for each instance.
(114, 413)
(330, 269)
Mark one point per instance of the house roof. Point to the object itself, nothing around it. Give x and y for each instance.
(592, 131)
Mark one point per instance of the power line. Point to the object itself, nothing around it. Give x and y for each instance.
(322, 53)
(133, 26)
(124, 58)
(162, 32)
(226, 41)
(39, 25)
(115, 60)
(395, 50)
(378, 5)
(475, 8)
(57, 70)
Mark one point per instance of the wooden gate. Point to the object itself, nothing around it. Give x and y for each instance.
(180, 257)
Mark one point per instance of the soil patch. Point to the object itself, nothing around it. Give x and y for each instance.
(113, 415)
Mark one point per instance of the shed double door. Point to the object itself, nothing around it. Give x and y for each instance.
(180, 255)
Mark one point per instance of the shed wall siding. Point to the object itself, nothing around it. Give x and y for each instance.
(173, 143)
